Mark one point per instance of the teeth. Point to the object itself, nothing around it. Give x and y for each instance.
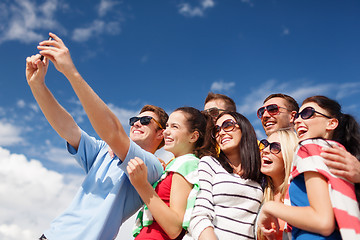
(269, 124)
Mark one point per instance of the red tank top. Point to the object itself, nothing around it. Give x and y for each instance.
(154, 231)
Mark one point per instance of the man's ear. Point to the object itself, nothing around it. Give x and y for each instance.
(160, 134)
(292, 116)
(194, 136)
(332, 124)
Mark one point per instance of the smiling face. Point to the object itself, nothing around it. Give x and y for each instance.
(272, 164)
(316, 126)
(283, 119)
(143, 135)
(228, 141)
(178, 139)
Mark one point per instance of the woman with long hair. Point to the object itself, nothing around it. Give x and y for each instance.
(277, 153)
(323, 206)
(230, 192)
(168, 203)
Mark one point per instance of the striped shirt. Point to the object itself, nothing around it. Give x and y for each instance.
(342, 192)
(226, 202)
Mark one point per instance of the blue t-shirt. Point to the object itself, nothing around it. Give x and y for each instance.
(106, 197)
(298, 197)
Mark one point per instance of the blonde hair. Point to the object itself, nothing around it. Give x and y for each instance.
(288, 141)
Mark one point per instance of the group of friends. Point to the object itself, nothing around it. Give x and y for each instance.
(302, 182)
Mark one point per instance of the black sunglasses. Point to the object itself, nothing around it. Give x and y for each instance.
(272, 109)
(145, 120)
(308, 112)
(227, 126)
(214, 111)
(275, 147)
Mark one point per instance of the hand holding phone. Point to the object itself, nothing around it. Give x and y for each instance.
(42, 57)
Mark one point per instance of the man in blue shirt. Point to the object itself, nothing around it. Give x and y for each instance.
(106, 198)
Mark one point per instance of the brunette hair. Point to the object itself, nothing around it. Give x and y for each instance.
(200, 122)
(348, 131)
(249, 150)
(161, 114)
(229, 102)
(291, 103)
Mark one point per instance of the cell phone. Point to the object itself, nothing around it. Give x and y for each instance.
(42, 57)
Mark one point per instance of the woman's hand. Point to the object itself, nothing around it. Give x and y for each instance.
(137, 171)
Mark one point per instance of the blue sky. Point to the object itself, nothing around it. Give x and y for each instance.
(166, 53)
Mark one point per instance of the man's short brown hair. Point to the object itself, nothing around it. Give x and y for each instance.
(162, 115)
(229, 103)
(291, 103)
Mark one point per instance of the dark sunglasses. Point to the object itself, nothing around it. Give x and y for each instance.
(272, 109)
(308, 112)
(275, 147)
(145, 120)
(227, 126)
(213, 112)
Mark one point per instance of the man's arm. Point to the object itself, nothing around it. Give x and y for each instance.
(58, 117)
(103, 120)
(342, 163)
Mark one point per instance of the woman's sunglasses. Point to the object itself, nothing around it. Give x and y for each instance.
(214, 111)
(272, 109)
(275, 147)
(145, 120)
(308, 112)
(227, 126)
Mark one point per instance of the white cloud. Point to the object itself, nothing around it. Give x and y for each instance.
(33, 196)
(222, 86)
(99, 25)
(22, 20)
(96, 28)
(9, 134)
(105, 6)
(21, 103)
(60, 156)
(123, 114)
(189, 11)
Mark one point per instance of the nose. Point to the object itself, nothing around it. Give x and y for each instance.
(137, 123)
(297, 120)
(265, 115)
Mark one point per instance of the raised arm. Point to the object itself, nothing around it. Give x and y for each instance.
(58, 117)
(103, 120)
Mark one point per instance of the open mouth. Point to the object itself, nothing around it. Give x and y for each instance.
(301, 132)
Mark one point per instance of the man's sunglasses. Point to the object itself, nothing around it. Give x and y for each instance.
(308, 112)
(275, 147)
(272, 109)
(227, 126)
(213, 112)
(145, 120)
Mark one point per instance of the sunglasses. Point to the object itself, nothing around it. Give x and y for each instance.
(145, 120)
(308, 112)
(275, 147)
(227, 126)
(214, 111)
(272, 109)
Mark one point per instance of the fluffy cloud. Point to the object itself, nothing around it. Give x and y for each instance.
(189, 11)
(9, 134)
(31, 196)
(222, 86)
(22, 20)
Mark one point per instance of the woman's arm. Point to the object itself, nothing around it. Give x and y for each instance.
(318, 217)
(169, 218)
